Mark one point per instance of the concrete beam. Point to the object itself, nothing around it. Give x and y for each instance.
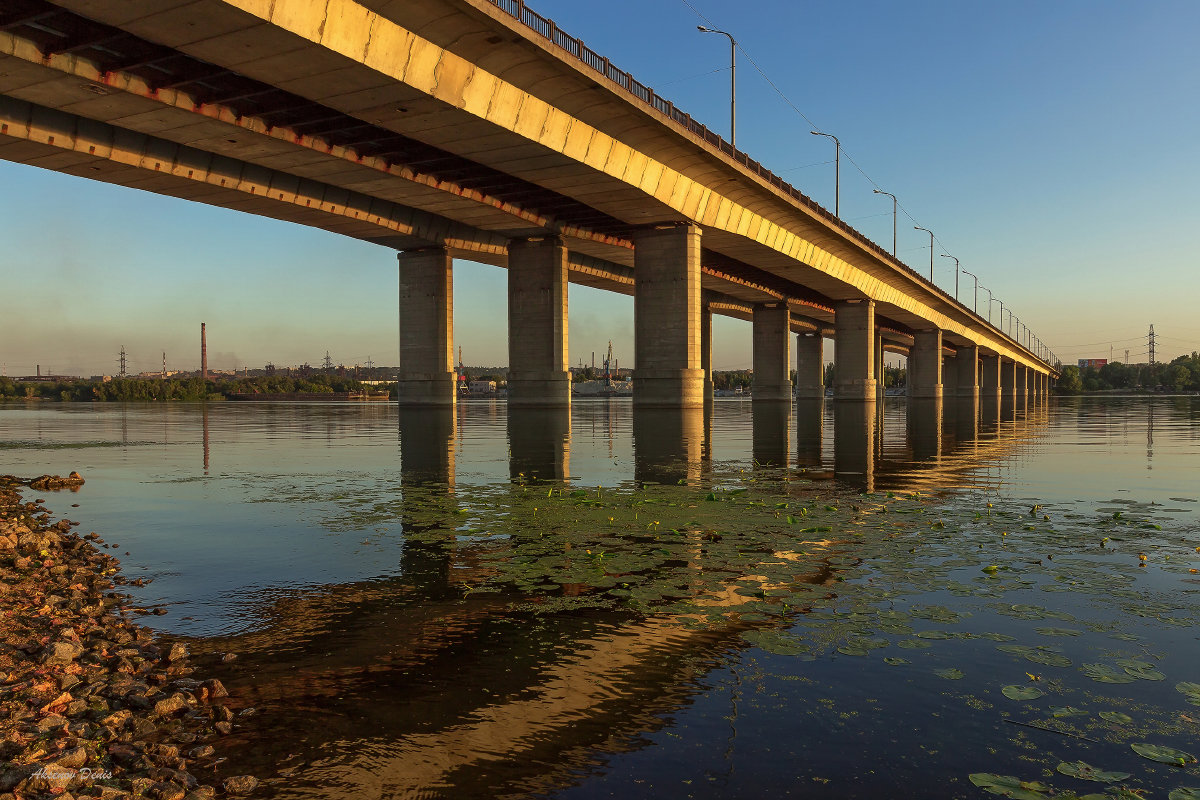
(666, 308)
(770, 357)
(426, 328)
(537, 323)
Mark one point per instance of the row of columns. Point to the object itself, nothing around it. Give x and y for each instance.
(672, 336)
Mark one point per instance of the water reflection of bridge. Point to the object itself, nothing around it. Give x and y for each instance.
(411, 685)
(906, 444)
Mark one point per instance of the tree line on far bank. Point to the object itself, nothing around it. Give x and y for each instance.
(193, 388)
(1180, 375)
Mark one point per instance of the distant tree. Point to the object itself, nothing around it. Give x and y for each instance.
(1069, 382)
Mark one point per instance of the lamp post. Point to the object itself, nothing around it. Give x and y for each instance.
(889, 194)
(837, 171)
(1001, 302)
(919, 228)
(975, 305)
(989, 291)
(732, 81)
(947, 255)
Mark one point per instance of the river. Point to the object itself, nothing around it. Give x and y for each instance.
(902, 600)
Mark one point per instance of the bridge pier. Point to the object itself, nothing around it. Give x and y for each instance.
(426, 376)
(537, 323)
(967, 367)
(1022, 386)
(854, 344)
(810, 368)
(771, 359)
(706, 315)
(950, 376)
(925, 365)
(1008, 382)
(880, 381)
(666, 310)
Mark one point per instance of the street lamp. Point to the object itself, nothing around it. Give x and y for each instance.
(975, 306)
(732, 81)
(919, 228)
(989, 291)
(837, 171)
(947, 255)
(889, 194)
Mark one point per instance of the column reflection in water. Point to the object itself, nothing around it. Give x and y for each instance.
(925, 427)
(810, 423)
(770, 433)
(428, 505)
(854, 443)
(668, 444)
(965, 411)
(539, 441)
(989, 415)
(204, 432)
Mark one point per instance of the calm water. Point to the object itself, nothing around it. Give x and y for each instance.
(810, 602)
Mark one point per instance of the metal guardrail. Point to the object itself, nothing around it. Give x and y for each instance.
(547, 29)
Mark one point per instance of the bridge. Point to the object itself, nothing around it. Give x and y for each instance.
(477, 129)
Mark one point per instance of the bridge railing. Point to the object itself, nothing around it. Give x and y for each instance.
(546, 28)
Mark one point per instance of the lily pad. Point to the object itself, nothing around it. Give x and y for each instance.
(1163, 754)
(895, 661)
(1184, 793)
(1116, 717)
(1067, 711)
(1189, 690)
(1008, 786)
(1104, 673)
(1022, 692)
(1085, 771)
(950, 674)
(1058, 631)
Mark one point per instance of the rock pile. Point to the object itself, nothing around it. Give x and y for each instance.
(91, 705)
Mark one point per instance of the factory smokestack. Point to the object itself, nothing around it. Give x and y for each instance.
(203, 353)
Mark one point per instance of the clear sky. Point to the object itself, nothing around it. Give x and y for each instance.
(1053, 147)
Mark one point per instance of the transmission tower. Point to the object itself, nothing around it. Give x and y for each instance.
(328, 362)
(122, 362)
(1152, 344)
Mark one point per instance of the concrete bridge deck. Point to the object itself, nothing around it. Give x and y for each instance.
(452, 128)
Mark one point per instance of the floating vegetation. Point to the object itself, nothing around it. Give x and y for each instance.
(1022, 692)
(1163, 754)
(1085, 771)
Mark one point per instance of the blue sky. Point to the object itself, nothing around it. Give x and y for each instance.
(1052, 147)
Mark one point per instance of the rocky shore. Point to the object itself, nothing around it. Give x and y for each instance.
(93, 705)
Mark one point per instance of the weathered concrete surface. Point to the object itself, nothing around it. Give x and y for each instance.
(854, 357)
(771, 356)
(666, 309)
(810, 368)
(426, 374)
(537, 323)
(925, 365)
(989, 374)
(967, 369)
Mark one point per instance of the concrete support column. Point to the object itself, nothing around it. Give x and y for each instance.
(967, 366)
(925, 365)
(666, 310)
(1008, 381)
(854, 346)
(950, 376)
(537, 323)
(706, 350)
(989, 369)
(426, 328)
(810, 366)
(772, 335)
(1022, 385)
